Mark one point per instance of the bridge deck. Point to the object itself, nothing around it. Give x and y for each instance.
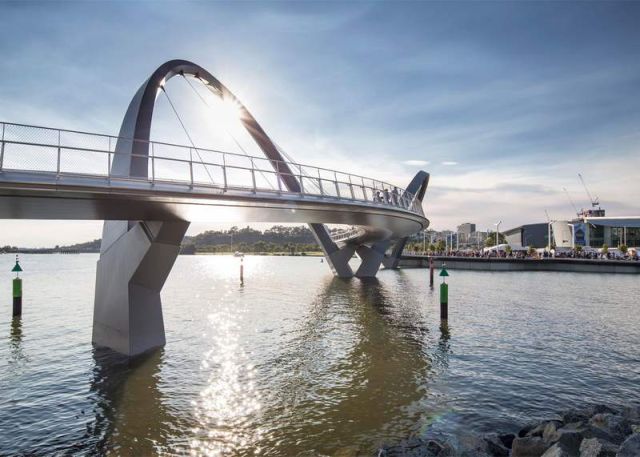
(62, 174)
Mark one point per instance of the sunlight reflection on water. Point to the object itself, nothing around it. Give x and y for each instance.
(298, 362)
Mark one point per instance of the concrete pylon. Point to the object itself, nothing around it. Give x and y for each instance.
(371, 258)
(135, 261)
(417, 187)
(337, 257)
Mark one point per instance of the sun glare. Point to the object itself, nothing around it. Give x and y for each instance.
(226, 113)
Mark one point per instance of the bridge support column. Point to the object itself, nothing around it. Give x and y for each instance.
(393, 260)
(135, 260)
(370, 259)
(337, 258)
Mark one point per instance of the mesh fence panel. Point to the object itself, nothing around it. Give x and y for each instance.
(239, 178)
(30, 158)
(86, 141)
(171, 170)
(26, 134)
(83, 162)
(208, 175)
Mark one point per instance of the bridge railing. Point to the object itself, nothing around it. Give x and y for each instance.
(35, 149)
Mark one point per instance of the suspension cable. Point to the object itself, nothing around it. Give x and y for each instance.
(187, 133)
(226, 130)
(291, 159)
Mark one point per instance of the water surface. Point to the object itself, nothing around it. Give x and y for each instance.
(297, 362)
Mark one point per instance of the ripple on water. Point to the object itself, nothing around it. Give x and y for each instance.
(296, 361)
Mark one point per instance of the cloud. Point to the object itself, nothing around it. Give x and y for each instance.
(449, 163)
(416, 162)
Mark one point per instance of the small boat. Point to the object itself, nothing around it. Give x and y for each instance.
(238, 254)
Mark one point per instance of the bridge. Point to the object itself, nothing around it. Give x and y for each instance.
(148, 192)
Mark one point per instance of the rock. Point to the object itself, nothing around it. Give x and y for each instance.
(495, 446)
(507, 439)
(550, 432)
(524, 431)
(632, 413)
(528, 446)
(595, 447)
(616, 426)
(577, 415)
(472, 445)
(569, 441)
(434, 447)
(557, 451)
(630, 447)
(540, 428)
(589, 431)
(417, 447)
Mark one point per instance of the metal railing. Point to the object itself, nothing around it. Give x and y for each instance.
(35, 149)
(348, 233)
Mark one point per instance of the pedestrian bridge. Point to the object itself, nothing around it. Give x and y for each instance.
(148, 192)
(50, 173)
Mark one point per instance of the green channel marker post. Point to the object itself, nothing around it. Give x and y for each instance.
(17, 289)
(444, 295)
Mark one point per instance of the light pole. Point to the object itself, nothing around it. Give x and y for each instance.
(497, 224)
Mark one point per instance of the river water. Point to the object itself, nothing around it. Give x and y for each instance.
(297, 362)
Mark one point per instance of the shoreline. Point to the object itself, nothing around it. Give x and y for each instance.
(591, 431)
(513, 264)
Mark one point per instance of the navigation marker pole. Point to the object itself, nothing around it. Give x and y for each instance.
(242, 270)
(431, 272)
(17, 289)
(444, 295)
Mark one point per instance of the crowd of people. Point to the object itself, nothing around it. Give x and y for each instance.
(528, 253)
(389, 197)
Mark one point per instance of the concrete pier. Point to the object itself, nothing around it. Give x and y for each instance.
(501, 264)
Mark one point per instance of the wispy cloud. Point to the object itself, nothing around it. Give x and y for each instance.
(372, 89)
(417, 163)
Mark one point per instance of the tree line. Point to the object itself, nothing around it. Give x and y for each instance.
(278, 238)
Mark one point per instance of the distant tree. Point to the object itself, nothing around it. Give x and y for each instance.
(188, 249)
(623, 248)
(605, 248)
(578, 248)
(440, 245)
(491, 239)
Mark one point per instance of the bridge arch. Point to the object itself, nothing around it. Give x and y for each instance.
(132, 155)
(136, 257)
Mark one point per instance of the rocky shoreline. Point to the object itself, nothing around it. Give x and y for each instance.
(593, 431)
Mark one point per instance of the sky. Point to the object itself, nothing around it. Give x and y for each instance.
(503, 103)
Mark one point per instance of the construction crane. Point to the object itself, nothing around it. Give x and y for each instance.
(571, 201)
(595, 202)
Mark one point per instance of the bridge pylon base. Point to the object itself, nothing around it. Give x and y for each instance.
(135, 261)
(370, 259)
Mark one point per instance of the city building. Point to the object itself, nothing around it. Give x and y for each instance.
(586, 230)
(535, 235)
(596, 231)
(464, 231)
